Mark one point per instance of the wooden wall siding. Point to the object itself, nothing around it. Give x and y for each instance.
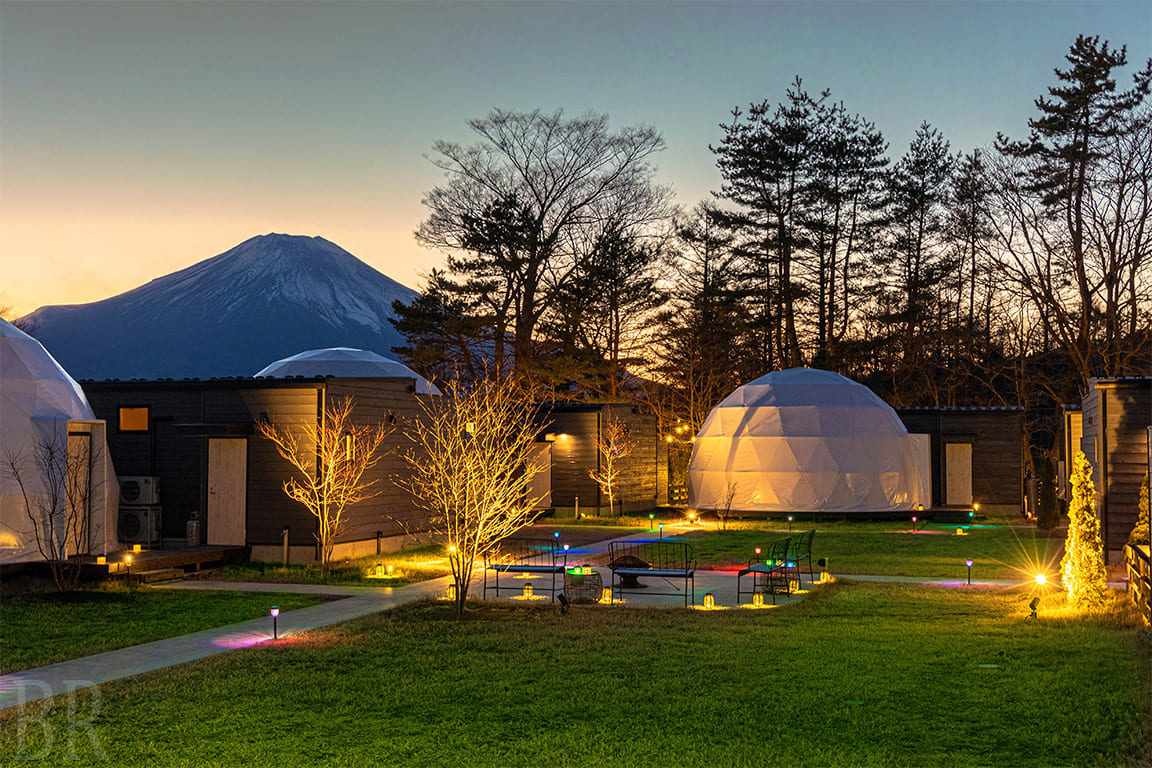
(638, 487)
(269, 509)
(161, 452)
(572, 456)
(997, 439)
(1089, 438)
(393, 511)
(997, 453)
(1126, 412)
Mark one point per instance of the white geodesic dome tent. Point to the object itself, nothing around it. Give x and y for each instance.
(349, 363)
(807, 440)
(41, 406)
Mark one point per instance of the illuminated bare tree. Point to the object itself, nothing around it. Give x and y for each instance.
(60, 509)
(613, 445)
(472, 469)
(724, 504)
(330, 459)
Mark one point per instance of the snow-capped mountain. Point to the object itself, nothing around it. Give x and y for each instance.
(269, 297)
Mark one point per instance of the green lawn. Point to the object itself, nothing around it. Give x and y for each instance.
(858, 674)
(998, 551)
(408, 566)
(47, 627)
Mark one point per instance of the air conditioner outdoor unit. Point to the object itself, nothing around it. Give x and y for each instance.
(139, 491)
(139, 525)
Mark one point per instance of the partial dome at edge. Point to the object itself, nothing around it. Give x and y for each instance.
(346, 362)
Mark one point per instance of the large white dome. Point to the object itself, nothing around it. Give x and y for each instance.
(805, 440)
(349, 363)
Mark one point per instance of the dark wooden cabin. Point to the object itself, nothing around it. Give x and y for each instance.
(977, 455)
(199, 440)
(573, 431)
(1115, 417)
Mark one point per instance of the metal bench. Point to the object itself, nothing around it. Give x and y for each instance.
(770, 574)
(660, 558)
(534, 556)
(800, 550)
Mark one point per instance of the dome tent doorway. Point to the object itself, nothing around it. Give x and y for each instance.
(805, 440)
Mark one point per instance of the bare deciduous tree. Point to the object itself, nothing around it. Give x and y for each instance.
(472, 469)
(724, 504)
(55, 483)
(330, 459)
(613, 446)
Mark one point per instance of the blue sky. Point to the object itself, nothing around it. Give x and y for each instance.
(137, 138)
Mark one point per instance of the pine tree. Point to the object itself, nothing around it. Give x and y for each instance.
(1083, 564)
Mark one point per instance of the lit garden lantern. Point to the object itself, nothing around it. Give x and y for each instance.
(968, 562)
(606, 595)
(651, 517)
(709, 600)
(379, 569)
(789, 522)
(275, 613)
(389, 569)
(758, 599)
(452, 592)
(528, 591)
(757, 550)
(661, 530)
(915, 520)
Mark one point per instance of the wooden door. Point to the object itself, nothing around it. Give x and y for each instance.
(958, 477)
(227, 491)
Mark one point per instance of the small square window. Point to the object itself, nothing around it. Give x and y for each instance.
(134, 419)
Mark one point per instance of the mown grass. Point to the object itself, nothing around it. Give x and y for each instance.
(408, 566)
(47, 627)
(998, 551)
(858, 674)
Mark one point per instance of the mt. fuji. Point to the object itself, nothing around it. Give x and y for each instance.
(270, 297)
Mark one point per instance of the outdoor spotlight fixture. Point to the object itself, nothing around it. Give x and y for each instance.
(968, 563)
(275, 615)
(563, 603)
(1034, 605)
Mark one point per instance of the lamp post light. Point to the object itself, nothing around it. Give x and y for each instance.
(968, 562)
(661, 530)
(128, 565)
(915, 520)
(275, 614)
(651, 517)
(789, 522)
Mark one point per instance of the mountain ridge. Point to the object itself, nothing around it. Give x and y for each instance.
(266, 298)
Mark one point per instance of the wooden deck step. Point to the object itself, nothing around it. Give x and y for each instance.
(158, 574)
